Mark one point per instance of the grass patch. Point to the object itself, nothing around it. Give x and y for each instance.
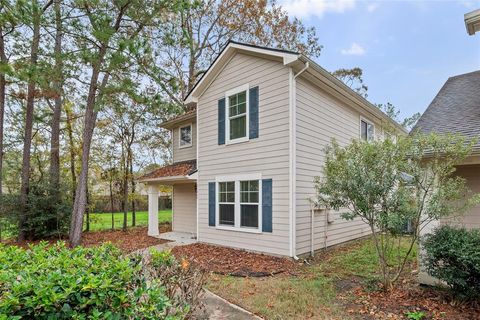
(103, 221)
(281, 297)
(311, 294)
(359, 259)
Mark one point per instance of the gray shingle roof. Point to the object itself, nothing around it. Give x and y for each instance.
(455, 109)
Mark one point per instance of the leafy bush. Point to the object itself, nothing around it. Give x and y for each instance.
(453, 255)
(47, 215)
(415, 315)
(183, 281)
(55, 282)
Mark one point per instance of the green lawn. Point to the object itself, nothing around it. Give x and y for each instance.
(103, 221)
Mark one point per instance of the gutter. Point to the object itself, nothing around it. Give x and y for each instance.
(342, 89)
(172, 178)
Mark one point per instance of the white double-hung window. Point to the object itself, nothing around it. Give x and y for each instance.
(237, 110)
(367, 130)
(239, 203)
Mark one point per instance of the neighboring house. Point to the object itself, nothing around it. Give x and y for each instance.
(472, 22)
(244, 160)
(456, 109)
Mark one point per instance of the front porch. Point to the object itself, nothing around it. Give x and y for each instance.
(182, 178)
(178, 237)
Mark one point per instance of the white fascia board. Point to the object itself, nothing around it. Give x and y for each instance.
(172, 178)
(225, 56)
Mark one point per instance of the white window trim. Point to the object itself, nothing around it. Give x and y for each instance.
(180, 136)
(237, 179)
(229, 93)
(369, 122)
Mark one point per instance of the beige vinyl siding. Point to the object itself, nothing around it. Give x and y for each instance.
(184, 208)
(267, 155)
(319, 118)
(186, 153)
(471, 218)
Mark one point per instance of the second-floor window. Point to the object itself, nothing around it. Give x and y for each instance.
(185, 136)
(367, 130)
(237, 115)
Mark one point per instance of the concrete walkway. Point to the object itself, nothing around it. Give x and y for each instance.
(218, 308)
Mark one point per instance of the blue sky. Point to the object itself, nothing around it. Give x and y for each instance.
(407, 49)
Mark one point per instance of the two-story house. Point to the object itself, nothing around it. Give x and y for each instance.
(244, 160)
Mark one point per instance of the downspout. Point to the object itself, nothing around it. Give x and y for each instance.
(312, 219)
(325, 228)
(197, 140)
(293, 157)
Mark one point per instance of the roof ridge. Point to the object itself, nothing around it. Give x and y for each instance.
(261, 47)
(464, 74)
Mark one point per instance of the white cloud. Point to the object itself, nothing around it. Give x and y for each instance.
(468, 4)
(307, 8)
(354, 50)
(372, 6)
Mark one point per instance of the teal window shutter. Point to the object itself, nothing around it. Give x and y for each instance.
(211, 204)
(221, 121)
(253, 102)
(267, 205)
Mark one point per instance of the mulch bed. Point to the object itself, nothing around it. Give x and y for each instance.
(228, 261)
(400, 301)
(131, 240)
(404, 298)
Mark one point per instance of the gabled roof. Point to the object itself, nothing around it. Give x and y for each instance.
(455, 109)
(178, 169)
(292, 59)
(226, 54)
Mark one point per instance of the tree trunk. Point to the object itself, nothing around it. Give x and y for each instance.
(80, 202)
(54, 172)
(125, 188)
(111, 202)
(57, 110)
(130, 173)
(132, 181)
(3, 84)
(71, 146)
(27, 139)
(87, 212)
(89, 125)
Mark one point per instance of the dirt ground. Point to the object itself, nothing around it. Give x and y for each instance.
(233, 262)
(131, 240)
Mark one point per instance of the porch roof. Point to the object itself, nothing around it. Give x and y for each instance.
(188, 115)
(177, 171)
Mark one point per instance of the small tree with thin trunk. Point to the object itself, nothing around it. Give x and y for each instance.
(388, 184)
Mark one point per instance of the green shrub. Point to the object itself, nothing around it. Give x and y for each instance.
(183, 281)
(55, 282)
(46, 217)
(453, 255)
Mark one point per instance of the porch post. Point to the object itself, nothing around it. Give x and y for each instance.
(153, 211)
(423, 276)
